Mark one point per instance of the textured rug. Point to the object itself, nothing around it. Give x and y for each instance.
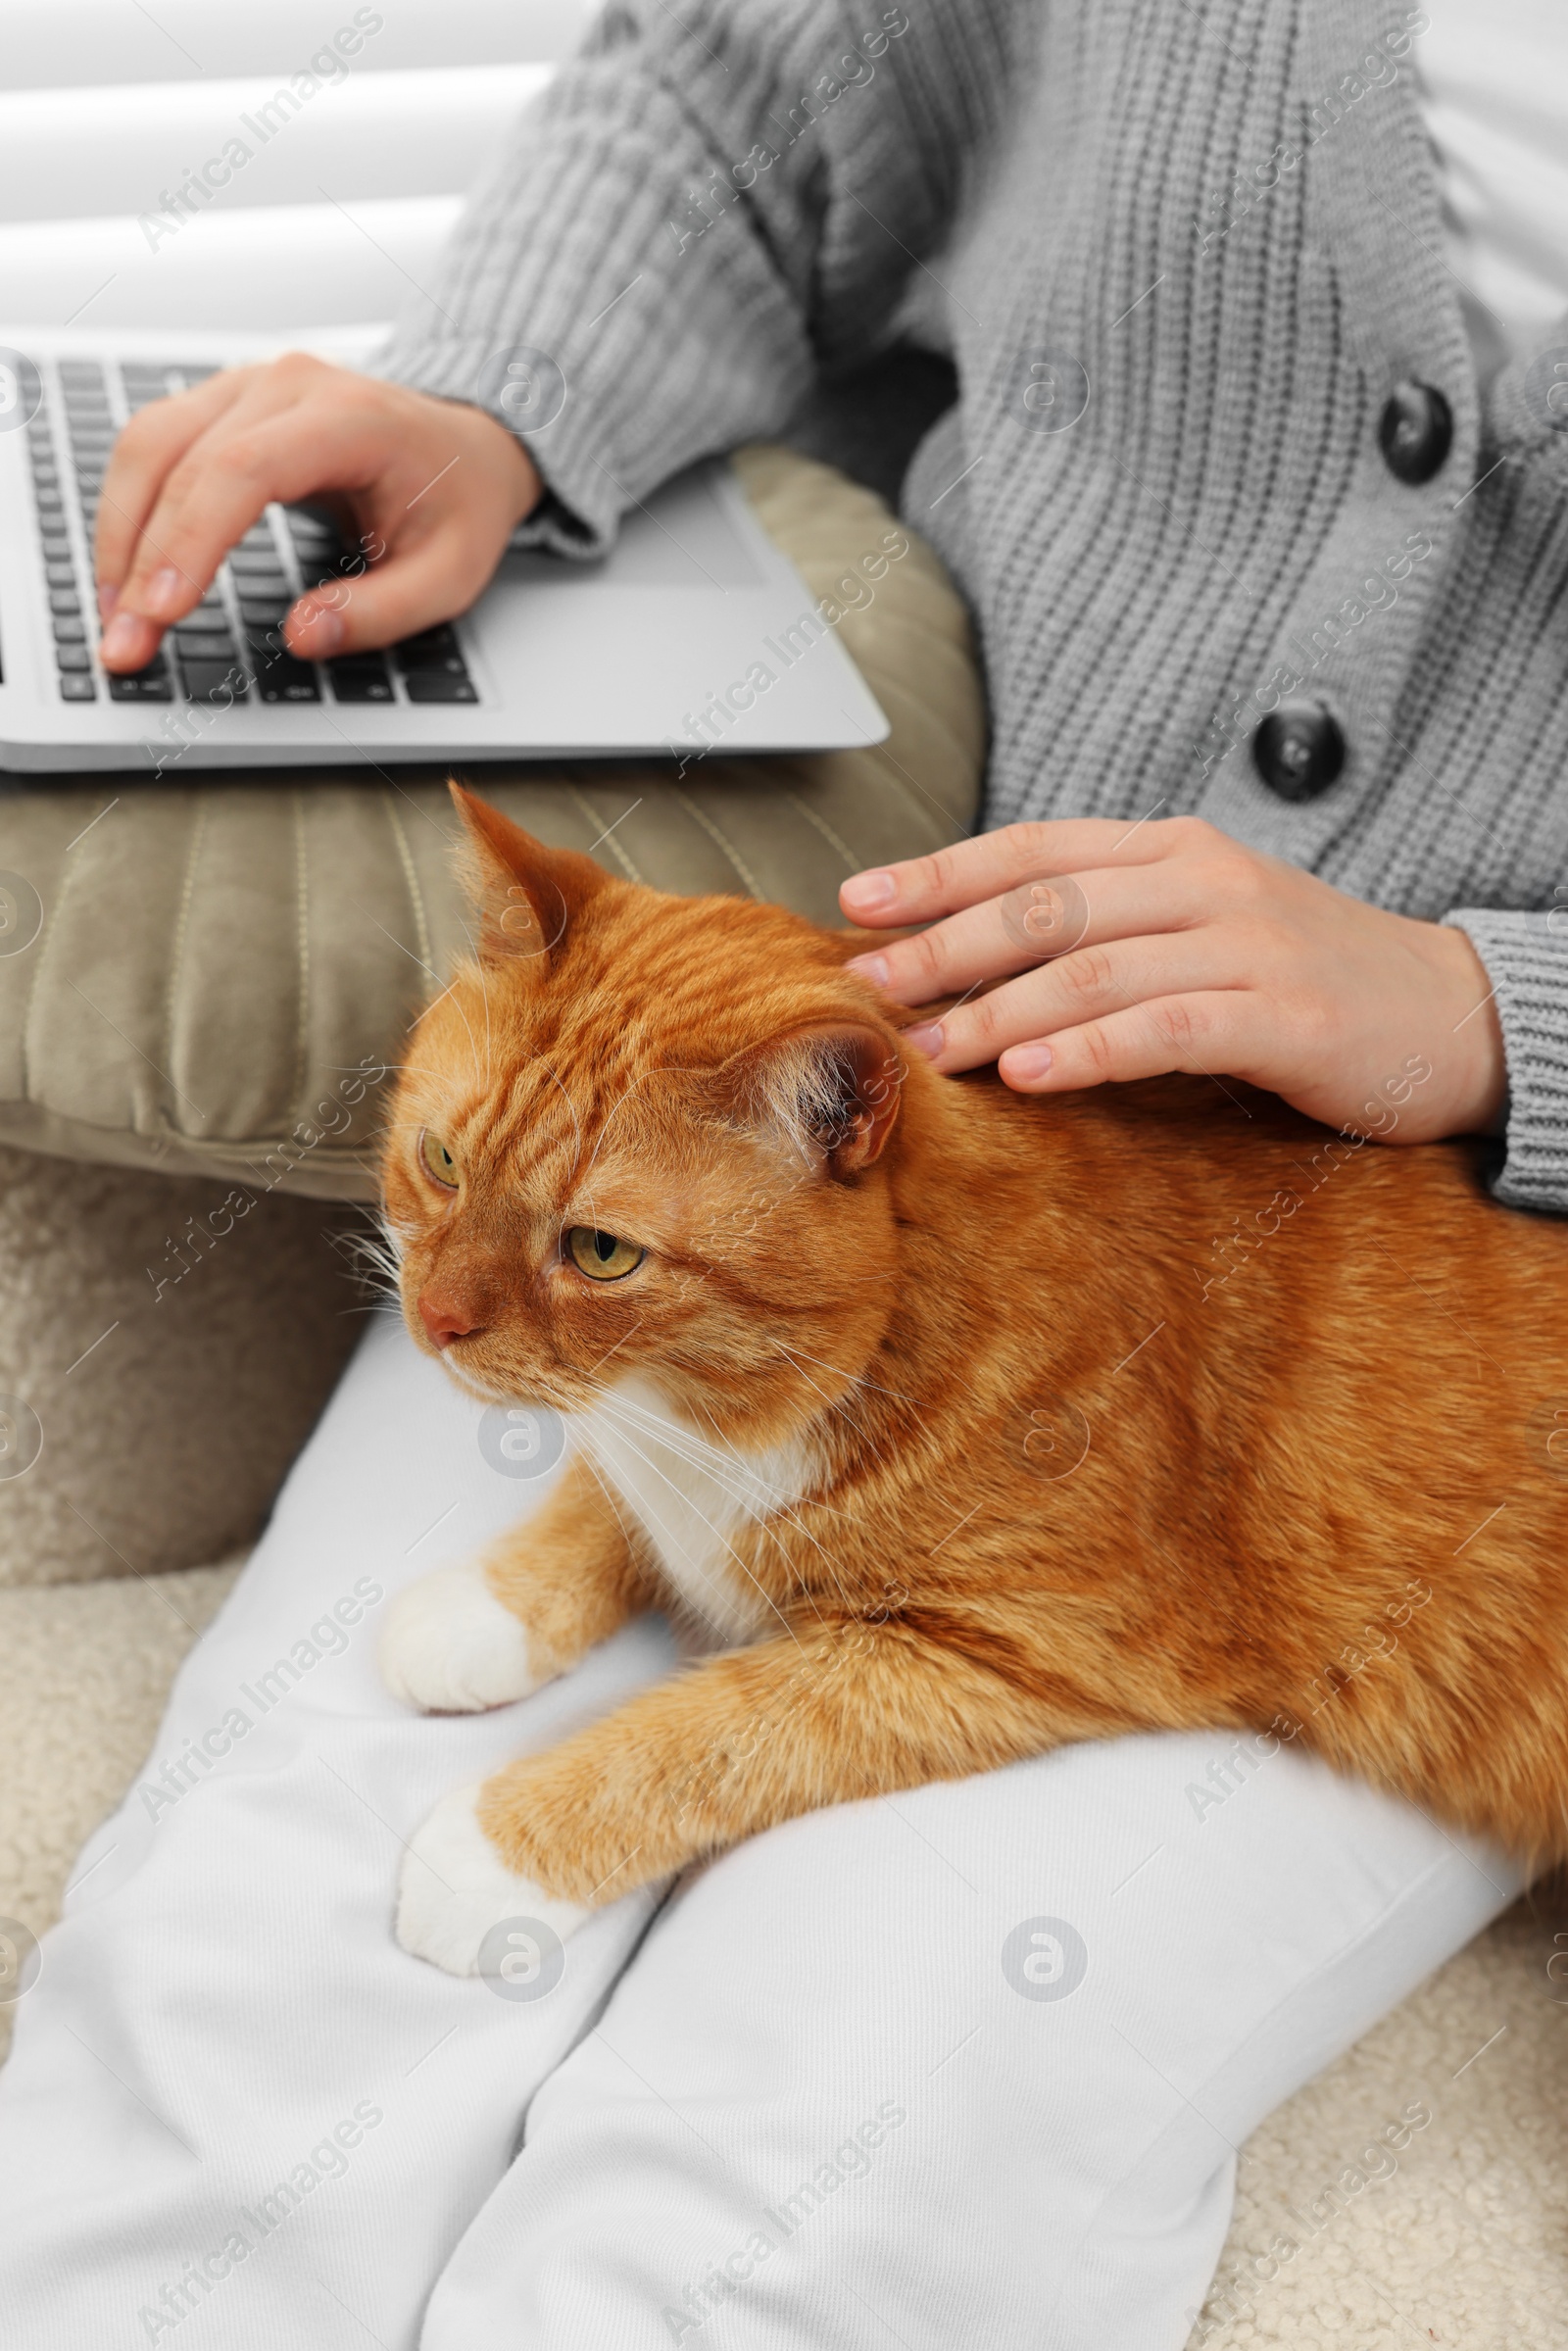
(85, 1671)
(1466, 2242)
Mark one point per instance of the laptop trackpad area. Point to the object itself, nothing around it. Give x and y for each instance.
(680, 537)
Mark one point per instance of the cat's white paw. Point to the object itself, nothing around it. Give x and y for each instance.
(454, 1887)
(449, 1647)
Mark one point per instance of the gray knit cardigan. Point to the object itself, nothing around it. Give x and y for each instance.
(1180, 254)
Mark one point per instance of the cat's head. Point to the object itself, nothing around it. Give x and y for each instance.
(645, 1133)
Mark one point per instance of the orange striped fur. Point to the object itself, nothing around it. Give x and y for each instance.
(1041, 1419)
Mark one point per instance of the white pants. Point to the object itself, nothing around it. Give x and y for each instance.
(967, 2065)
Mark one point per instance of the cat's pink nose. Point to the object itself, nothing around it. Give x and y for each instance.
(442, 1319)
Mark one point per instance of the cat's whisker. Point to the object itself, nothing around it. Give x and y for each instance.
(716, 1461)
(684, 1443)
(717, 1588)
(782, 1503)
(791, 1508)
(374, 1256)
(688, 1445)
(705, 1455)
(718, 1535)
(606, 1488)
(839, 1405)
(842, 1404)
(857, 1378)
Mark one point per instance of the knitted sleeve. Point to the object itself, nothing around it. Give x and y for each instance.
(706, 207)
(1526, 956)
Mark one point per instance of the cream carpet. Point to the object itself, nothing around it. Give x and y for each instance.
(84, 1670)
(1467, 2243)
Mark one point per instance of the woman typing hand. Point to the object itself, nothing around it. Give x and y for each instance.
(430, 489)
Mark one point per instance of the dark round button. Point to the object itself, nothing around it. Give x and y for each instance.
(1415, 431)
(1298, 749)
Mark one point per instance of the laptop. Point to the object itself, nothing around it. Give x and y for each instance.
(695, 635)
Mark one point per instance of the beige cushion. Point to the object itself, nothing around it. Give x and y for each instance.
(218, 957)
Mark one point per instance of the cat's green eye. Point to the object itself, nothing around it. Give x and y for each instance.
(438, 1160)
(603, 1257)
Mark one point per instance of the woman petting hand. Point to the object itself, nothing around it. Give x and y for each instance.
(1088, 950)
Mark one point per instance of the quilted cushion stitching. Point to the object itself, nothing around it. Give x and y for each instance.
(303, 933)
(581, 800)
(714, 833)
(422, 928)
(187, 891)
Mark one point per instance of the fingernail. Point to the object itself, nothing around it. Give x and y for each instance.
(122, 638)
(324, 629)
(926, 1039)
(162, 591)
(108, 598)
(1029, 1061)
(865, 891)
(870, 967)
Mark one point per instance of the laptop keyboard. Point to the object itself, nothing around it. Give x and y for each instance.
(231, 649)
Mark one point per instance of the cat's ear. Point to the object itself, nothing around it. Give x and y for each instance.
(833, 1091)
(525, 894)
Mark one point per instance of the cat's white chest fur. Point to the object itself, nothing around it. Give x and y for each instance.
(693, 1496)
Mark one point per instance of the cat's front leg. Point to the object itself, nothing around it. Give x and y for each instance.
(497, 1628)
(457, 1887)
(730, 1747)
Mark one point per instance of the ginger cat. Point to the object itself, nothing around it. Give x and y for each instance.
(972, 1423)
